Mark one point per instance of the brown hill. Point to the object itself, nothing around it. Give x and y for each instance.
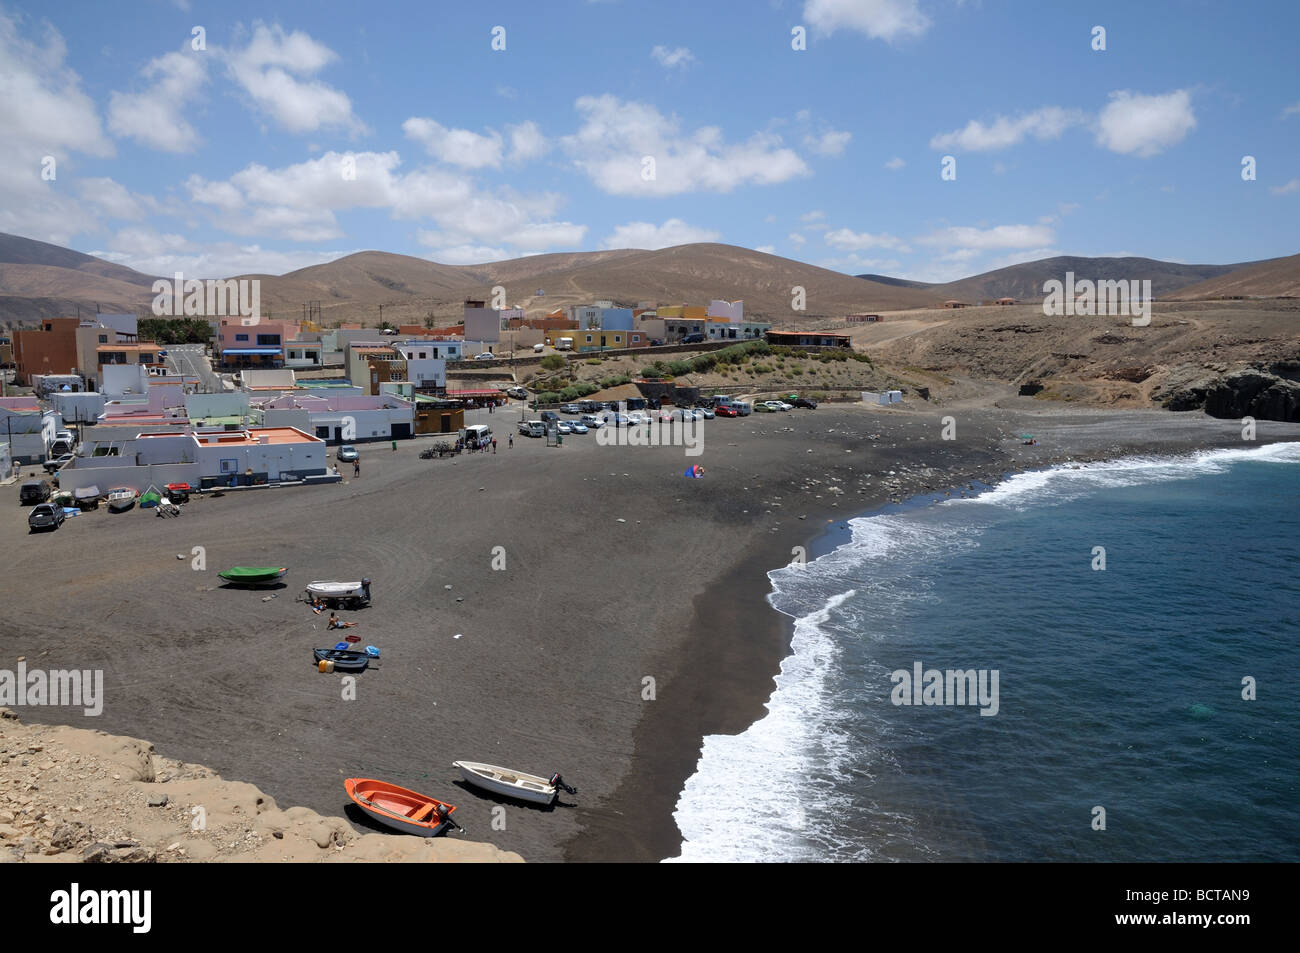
(1275, 278)
(1024, 282)
(409, 288)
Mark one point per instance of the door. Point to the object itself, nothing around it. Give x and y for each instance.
(401, 431)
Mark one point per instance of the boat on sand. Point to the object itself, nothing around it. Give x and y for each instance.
(399, 808)
(253, 575)
(515, 784)
(121, 498)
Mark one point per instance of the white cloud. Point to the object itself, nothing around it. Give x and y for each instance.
(857, 241)
(462, 254)
(895, 164)
(856, 264)
(1134, 124)
(878, 19)
(527, 142)
(1291, 110)
(459, 147)
(548, 235)
(671, 59)
(831, 143)
(1292, 186)
(616, 135)
(651, 236)
(113, 200)
(275, 70)
(43, 113)
(300, 201)
(156, 117)
(1046, 123)
(156, 253)
(816, 215)
(796, 238)
(766, 249)
(981, 239)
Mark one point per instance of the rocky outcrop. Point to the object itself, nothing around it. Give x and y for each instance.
(77, 796)
(1259, 392)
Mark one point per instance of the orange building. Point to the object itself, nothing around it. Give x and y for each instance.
(50, 350)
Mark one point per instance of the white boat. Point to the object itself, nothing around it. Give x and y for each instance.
(121, 498)
(348, 594)
(516, 784)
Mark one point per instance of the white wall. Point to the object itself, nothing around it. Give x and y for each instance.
(74, 477)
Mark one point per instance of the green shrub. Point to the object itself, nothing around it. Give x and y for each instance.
(553, 362)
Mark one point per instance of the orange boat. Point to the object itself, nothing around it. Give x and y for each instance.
(399, 808)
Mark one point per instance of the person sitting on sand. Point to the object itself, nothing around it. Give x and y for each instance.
(334, 623)
(317, 605)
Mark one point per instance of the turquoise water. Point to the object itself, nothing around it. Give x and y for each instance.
(1118, 688)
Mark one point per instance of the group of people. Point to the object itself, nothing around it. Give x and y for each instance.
(318, 605)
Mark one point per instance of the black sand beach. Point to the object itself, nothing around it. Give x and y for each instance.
(618, 568)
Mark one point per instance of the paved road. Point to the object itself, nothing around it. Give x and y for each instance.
(192, 360)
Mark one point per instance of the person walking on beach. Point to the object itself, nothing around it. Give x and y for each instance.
(494, 444)
(356, 467)
(510, 444)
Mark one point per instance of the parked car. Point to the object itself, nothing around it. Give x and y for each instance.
(592, 421)
(518, 393)
(58, 462)
(548, 416)
(693, 339)
(532, 428)
(774, 405)
(620, 420)
(577, 426)
(763, 407)
(485, 356)
(346, 454)
(636, 418)
(727, 411)
(805, 402)
(570, 408)
(45, 516)
(33, 491)
(706, 412)
(563, 426)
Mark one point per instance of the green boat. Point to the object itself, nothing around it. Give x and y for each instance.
(253, 575)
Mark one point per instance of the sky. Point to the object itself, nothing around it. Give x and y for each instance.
(233, 137)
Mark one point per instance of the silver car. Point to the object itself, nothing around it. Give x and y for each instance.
(577, 426)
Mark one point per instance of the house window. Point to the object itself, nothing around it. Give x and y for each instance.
(268, 339)
(103, 339)
(229, 466)
(241, 337)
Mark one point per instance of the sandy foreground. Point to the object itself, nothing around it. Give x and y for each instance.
(586, 609)
(75, 795)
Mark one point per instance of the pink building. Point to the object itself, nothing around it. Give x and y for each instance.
(252, 342)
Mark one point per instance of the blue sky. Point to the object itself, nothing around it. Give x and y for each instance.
(236, 157)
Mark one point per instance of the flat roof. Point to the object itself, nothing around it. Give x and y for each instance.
(251, 350)
(142, 346)
(242, 438)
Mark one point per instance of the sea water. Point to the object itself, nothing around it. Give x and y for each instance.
(1125, 729)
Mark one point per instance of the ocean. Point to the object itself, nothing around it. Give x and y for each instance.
(1121, 732)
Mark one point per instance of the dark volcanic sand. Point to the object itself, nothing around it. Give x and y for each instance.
(548, 672)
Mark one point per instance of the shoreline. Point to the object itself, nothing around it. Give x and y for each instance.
(748, 703)
(619, 569)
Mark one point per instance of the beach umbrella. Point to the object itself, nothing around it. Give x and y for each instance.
(694, 473)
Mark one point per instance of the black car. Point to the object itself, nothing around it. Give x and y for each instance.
(693, 339)
(548, 416)
(45, 516)
(33, 491)
(804, 402)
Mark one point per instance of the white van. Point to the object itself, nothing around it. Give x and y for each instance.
(742, 407)
(564, 344)
(478, 435)
(532, 428)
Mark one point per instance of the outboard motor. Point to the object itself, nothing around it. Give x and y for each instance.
(558, 782)
(365, 589)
